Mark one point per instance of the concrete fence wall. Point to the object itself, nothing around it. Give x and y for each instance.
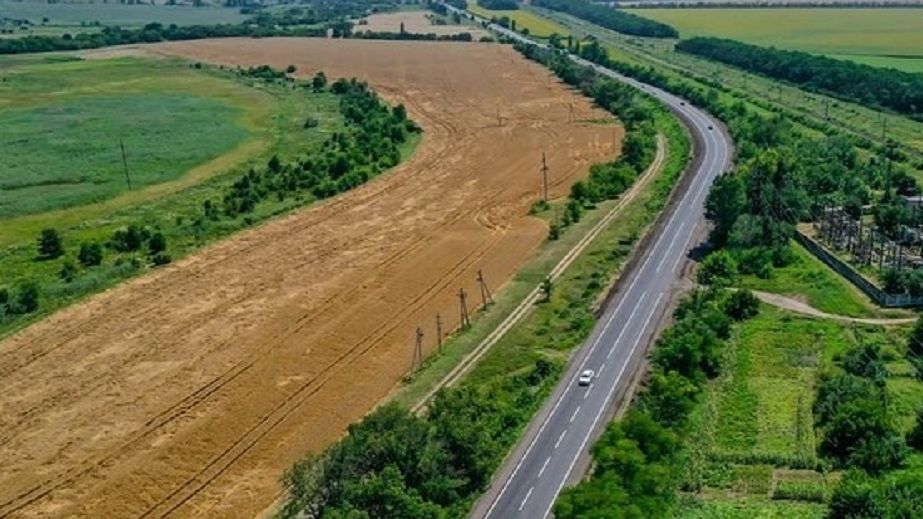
(844, 269)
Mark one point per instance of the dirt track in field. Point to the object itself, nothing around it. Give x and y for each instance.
(187, 392)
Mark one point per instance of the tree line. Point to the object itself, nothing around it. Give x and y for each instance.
(610, 18)
(863, 84)
(499, 5)
(369, 144)
(150, 33)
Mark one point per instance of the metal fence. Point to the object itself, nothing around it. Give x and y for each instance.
(844, 269)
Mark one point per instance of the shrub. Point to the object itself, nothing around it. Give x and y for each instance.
(68, 270)
(91, 254)
(49, 244)
(741, 305)
(157, 244)
(718, 269)
(26, 300)
(855, 498)
(129, 239)
(160, 259)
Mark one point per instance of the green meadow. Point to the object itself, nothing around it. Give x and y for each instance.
(115, 13)
(67, 152)
(879, 37)
(189, 134)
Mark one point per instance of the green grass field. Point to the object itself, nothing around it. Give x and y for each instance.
(180, 126)
(125, 15)
(263, 120)
(67, 152)
(880, 37)
(808, 279)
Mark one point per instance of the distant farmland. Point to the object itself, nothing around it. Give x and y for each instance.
(116, 14)
(879, 37)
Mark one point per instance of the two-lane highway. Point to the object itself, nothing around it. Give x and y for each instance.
(531, 479)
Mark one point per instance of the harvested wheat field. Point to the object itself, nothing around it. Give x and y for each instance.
(187, 392)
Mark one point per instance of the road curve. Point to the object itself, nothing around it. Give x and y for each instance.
(544, 461)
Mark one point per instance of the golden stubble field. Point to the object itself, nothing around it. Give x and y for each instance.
(188, 391)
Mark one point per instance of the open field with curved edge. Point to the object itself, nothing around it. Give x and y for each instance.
(187, 392)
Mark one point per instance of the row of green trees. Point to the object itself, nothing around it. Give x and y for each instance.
(369, 144)
(393, 464)
(610, 18)
(499, 5)
(864, 84)
(638, 458)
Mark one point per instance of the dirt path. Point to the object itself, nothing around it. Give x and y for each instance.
(800, 307)
(187, 392)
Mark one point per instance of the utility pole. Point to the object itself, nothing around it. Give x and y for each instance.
(439, 332)
(417, 351)
(125, 164)
(463, 308)
(544, 178)
(486, 298)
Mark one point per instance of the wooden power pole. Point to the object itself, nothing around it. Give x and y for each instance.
(486, 298)
(439, 333)
(417, 351)
(463, 308)
(125, 164)
(544, 178)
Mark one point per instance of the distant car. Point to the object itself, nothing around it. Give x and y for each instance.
(586, 377)
(682, 103)
(710, 128)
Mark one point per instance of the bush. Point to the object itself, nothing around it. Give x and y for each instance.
(741, 305)
(26, 300)
(157, 244)
(160, 259)
(129, 239)
(91, 254)
(718, 269)
(50, 245)
(68, 270)
(855, 498)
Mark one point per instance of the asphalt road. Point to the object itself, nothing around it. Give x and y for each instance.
(531, 479)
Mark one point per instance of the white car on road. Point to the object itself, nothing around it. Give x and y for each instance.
(586, 376)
